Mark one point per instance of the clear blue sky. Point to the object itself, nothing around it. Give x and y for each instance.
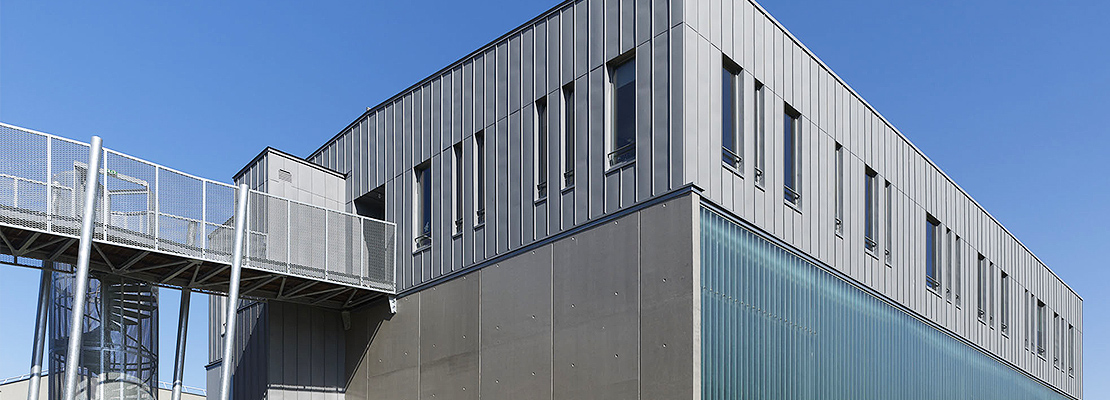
(1003, 95)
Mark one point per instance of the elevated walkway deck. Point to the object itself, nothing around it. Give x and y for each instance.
(173, 229)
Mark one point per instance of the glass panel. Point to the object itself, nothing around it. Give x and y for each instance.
(624, 113)
(728, 118)
(775, 326)
(568, 136)
(788, 156)
(541, 149)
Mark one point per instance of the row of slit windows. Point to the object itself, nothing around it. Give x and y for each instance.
(620, 150)
(620, 111)
(732, 142)
(988, 279)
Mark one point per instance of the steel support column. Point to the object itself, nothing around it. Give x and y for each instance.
(40, 331)
(233, 291)
(81, 285)
(179, 358)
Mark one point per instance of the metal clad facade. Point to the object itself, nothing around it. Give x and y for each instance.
(679, 48)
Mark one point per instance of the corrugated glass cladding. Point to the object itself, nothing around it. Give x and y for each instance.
(775, 326)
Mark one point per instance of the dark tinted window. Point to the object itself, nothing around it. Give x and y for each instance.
(623, 141)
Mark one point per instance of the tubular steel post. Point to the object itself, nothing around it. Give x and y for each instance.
(179, 358)
(40, 331)
(73, 353)
(233, 292)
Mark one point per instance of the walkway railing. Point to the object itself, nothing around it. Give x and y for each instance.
(146, 206)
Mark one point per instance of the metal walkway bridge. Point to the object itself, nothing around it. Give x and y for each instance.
(173, 229)
(161, 226)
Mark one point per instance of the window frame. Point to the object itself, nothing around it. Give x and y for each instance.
(568, 132)
(957, 275)
(791, 132)
(888, 251)
(838, 220)
(759, 104)
(457, 189)
(541, 132)
(732, 115)
(948, 264)
(1056, 340)
(932, 228)
(422, 207)
(870, 210)
(1041, 310)
(1004, 302)
(479, 179)
(625, 154)
(981, 285)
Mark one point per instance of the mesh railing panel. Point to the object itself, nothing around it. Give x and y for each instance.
(148, 206)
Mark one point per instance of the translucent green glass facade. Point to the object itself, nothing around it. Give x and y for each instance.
(775, 326)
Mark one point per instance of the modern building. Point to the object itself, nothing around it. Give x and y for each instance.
(658, 200)
(618, 199)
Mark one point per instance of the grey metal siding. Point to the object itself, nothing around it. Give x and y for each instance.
(831, 111)
(678, 47)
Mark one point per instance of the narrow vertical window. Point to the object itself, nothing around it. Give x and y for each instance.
(568, 135)
(1024, 309)
(760, 134)
(958, 278)
(541, 149)
(457, 187)
(889, 251)
(422, 216)
(931, 228)
(1071, 350)
(480, 178)
(1031, 321)
(991, 298)
(732, 137)
(948, 264)
(1040, 328)
(1056, 340)
(1004, 303)
(870, 207)
(839, 160)
(981, 279)
(790, 170)
(622, 113)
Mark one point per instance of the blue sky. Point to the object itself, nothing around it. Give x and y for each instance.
(1003, 95)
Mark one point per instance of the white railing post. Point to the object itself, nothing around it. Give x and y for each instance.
(233, 292)
(49, 186)
(81, 287)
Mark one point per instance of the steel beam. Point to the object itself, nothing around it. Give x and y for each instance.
(40, 332)
(233, 292)
(179, 358)
(81, 286)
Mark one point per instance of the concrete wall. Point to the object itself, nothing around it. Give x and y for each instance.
(603, 313)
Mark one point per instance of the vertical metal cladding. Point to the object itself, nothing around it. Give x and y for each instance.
(775, 326)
